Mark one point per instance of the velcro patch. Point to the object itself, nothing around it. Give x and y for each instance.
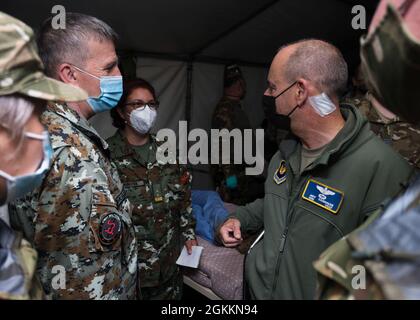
(110, 229)
(323, 196)
(280, 174)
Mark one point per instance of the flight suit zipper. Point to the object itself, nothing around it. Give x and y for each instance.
(283, 239)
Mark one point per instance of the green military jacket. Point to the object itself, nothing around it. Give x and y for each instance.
(79, 220)
(304, 213)
(162, 214)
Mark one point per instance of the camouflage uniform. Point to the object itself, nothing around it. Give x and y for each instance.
(229, 115)
(335, 272)
(162, 214)
(21, 72)
(402, 136)
(386, 247)
(17, 275)
(80, 217)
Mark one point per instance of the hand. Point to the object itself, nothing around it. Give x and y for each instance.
(189, 244)
(230, 233)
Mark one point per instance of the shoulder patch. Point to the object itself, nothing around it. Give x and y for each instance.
(280, 174)
(110, 229)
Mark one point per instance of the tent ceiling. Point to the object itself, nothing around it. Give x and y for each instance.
(245, 30)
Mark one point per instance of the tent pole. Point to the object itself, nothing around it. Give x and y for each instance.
(188, 97)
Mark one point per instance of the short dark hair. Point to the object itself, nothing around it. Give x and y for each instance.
(68, 45)
(129, 86)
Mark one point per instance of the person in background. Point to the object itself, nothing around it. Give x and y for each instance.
(233, 185)
(80, 217)
(380, 260)
(160, 193)
(25, 149)
(402, 136)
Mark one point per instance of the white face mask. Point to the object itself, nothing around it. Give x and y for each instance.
(322, 104)
(142, 120)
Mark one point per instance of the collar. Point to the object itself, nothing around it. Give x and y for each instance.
(80, 123)
(125, 149)
(291, 150)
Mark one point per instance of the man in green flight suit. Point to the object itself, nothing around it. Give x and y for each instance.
(322, 184)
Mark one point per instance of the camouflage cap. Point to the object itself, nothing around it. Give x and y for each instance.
(21, 69)
(232, 74)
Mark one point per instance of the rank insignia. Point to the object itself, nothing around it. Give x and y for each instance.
(157, 193)
(281, 173)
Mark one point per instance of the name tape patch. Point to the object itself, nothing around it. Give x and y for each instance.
(323, 196)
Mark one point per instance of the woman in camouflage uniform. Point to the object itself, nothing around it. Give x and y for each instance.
(160, 193)
(25, 151)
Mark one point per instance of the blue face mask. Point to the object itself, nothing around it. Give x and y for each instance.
(17, 187)
(111, 92)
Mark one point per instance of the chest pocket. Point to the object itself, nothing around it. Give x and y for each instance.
(324, 202)
(137, 191)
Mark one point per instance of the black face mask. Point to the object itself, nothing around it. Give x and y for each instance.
(279, 120)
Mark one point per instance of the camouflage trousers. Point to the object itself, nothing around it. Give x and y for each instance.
(169, 290)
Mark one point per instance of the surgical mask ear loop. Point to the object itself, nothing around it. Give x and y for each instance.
(85, 72)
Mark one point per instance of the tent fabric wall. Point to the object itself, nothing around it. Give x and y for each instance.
(169, 78)
(208, 89)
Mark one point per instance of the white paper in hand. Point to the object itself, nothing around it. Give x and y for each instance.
(190, 260)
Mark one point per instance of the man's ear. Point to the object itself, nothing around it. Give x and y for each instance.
(301, 94)
(67, 74)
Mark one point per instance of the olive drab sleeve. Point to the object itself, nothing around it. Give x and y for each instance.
(251, 215)
(382, 184)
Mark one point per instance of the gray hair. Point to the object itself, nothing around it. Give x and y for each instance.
(15, 111)
(69, 44)
(320, 62)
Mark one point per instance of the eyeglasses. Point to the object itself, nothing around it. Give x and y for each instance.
(140, 104)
